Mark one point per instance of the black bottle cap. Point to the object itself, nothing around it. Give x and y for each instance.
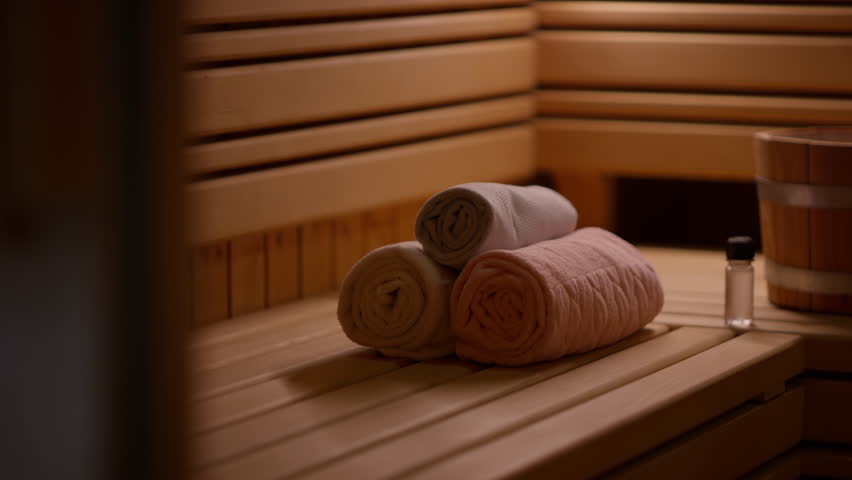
(740, 248)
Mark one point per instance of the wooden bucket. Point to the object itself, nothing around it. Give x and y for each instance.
(804, 181)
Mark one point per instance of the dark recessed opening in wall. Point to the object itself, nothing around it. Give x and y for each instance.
(685, 213)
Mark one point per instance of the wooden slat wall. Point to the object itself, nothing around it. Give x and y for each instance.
(319, 128)
(676, 89)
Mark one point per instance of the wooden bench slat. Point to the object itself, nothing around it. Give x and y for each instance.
(828, 416)
(258, 323)
(336, 370)
(357, 35)
(597, 435)
(396, 457)
(286, 93)
(330, 407)
(225, 11)
(784, 467)
(263, 200)
(316, 447)
(696, 61)
(727, 447)
(269, 364)
(298, 329)
(694, 17)
(698, 107)
(643, 148)
(357, 134)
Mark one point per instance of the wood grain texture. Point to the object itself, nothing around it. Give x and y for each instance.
(380, 227)
(281, 423)
(317, 240)
(595, 436)
(348, 245)
(248, 273)
(699, 107)
(269, 364)
(695, 61)
(357, 134)
(593, 194)
(283, 265)
(285, 93)
(408, 218)
(646, 148)
(828, 418)
(210, 283)
(224, 11)
(726, 447)
(323, 374)
(300, 193)
(350, 36)
(398, 457)
(694, 16)
(313, 448)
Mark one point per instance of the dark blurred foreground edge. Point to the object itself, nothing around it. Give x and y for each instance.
(91, 310)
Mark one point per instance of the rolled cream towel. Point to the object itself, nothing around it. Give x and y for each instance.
(563, 296)
(463, 221)
(396, 299)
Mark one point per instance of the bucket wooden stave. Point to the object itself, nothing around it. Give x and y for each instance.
(804, 179)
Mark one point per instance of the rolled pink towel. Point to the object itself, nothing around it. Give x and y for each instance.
(553, 298)
(461, 222)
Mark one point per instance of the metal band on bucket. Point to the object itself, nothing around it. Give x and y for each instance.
(804, 195)
(811, 281)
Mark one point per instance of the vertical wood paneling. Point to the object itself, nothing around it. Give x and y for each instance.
(248, 273)
(348, 243)
(210, 283)
(317, 274)
(380, 227)
(407, 217)
(593, 194)
(283, 265)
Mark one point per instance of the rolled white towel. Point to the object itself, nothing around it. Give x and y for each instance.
(463, 221)
(396, 299)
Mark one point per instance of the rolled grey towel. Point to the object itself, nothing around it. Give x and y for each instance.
(463, 221)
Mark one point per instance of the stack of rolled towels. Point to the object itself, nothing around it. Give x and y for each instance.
(498, 275)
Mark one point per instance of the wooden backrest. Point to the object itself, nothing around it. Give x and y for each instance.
(318, 128)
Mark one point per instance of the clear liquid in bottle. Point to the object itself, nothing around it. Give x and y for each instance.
(739, 283)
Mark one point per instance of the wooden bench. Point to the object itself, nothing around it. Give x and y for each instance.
(283, 394)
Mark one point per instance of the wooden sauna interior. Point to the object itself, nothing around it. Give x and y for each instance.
(264, 146)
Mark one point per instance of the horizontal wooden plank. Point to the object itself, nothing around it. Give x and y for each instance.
(595, 436)
(268, 323)
(269, 364)
(231, 440)
(238, 204)
(694, 16)
(660, 149)
(763, 109)
(828, 416)
(225, 11)
(397, 457)
(331, 371)
(357, 134)
(313, 448)
(696, 61)
(357, 35)
(726, 447)
(285, 93)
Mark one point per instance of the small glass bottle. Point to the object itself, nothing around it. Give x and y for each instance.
(739, 282)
